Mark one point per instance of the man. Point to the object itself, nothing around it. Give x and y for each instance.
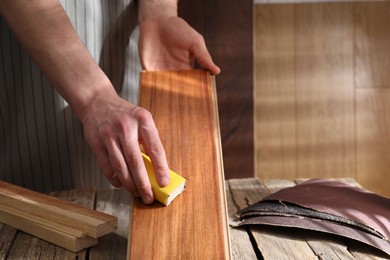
(40, 144)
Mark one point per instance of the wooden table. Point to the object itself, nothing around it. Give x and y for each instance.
(254, 242)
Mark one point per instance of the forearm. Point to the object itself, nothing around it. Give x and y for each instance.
(44, 29)
(154, 9)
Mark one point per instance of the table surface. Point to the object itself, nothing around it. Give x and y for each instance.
(255, 242)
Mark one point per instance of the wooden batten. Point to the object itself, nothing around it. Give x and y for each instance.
(60, 222)
(184, 107)
(93, 223)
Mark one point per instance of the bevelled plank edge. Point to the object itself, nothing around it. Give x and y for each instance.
(92, 222)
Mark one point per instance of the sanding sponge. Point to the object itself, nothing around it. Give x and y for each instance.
(166, 194)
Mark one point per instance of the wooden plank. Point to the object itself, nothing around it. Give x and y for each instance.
(275, 97)
(373, 139)
(26, 246)
(304, 91)
(184, 107)
(241, 244)
(271, 243)
(114, 245)
(227, 28)
(372, 47)
(372, 44)
(325, 90)
(7, 235)
(46, 210)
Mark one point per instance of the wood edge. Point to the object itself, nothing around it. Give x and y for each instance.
(64, 240)
(221, 173)
(11, 190)
(54, 214)
(38, 221)
(60, 211)
(130, 231)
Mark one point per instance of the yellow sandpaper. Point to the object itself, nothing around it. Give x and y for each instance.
(166, 194)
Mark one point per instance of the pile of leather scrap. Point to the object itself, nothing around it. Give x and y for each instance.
(327, 206)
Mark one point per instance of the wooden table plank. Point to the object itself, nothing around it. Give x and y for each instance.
(26, 246)
(242, 247)
(115, 202)
(7, 234)
(184, 107)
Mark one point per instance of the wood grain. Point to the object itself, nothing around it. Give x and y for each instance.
(372, 44)
(59, 222)
(240, 241)
(275, 95)
(114, 202)
(184, 107)
(325, 90)
(321, 91)
(44, 209)
(373, 131)
(227, 28)
(27, 246)
(305, 91)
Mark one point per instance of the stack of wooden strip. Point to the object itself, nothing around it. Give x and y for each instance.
(60, 222)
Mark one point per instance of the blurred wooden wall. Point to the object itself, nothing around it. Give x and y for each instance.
(322, 91)
(227, 26)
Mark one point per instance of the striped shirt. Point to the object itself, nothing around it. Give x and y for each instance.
(41, 140)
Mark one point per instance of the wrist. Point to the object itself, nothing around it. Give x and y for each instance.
(156, 9)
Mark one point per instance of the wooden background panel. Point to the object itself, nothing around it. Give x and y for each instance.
(373, 132)
(372, 44)
(227, 28)
(304, 91)
(325, 90)
(275, 112)
(337, 61)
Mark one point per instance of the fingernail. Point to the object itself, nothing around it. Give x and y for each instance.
(147, 199)
(164, 180)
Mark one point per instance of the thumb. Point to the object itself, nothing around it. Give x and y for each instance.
(203, 56)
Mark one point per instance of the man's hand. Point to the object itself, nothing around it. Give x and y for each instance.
(114, 128)
(169, 43)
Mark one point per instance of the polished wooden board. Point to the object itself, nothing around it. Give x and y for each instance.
(184, 107)
(321, 86)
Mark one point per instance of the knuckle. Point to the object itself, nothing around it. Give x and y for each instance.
(132, 161)
(143, 115)
(105, 131)
(123, 125)
(157, 150)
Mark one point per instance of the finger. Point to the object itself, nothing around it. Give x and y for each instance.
(154, 148)
(138, 171)
(203, 56)
(118, 165)
(105, 165)
(134, 162)
(113, 179)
